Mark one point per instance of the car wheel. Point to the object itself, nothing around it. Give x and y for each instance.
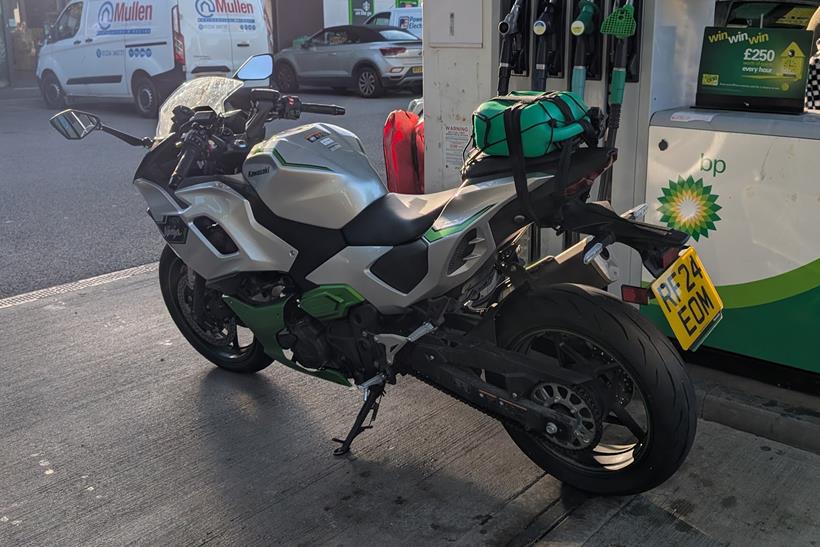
(368, 83)
(286, 78)
(146, 97)
(53, 94)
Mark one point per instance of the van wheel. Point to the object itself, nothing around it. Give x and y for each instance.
(368, 83)
(53, 94)
(286, 78)
(146, 97)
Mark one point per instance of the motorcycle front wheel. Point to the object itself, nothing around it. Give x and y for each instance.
(216, 334)
(635, 423)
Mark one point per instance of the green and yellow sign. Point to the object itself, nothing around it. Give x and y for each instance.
(754, 68)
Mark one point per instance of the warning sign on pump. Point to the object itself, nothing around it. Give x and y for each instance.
(456, 138)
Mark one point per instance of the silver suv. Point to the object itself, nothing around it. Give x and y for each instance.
(368, 58)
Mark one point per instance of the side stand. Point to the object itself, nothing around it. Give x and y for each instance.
(370, 403)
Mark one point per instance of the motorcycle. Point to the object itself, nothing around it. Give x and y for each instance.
(289, 248)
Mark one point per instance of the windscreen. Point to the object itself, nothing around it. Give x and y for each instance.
(207, 91)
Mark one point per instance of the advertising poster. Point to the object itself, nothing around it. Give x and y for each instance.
(754, 68)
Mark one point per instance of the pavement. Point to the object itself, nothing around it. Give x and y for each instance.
(115, 431)
(68, 210)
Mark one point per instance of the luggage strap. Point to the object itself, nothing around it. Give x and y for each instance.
(512, 125)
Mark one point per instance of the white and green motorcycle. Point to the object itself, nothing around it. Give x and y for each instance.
(290, 249)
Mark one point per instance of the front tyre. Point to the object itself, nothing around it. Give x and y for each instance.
(216, 334)
(636, 421)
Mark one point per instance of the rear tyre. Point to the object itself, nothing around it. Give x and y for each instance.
(368, 83)
(52, 91)
(146, 97)
(578, 325)
(286, 78)
(215, 337)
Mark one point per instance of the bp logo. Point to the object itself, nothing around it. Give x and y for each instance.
(105, 16)
(689, 206)
(205, 8)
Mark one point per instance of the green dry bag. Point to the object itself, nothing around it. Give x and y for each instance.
(546, 119)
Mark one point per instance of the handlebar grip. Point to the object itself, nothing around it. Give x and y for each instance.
(329, 109)
(186, 161)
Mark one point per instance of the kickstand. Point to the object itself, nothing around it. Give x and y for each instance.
(370, 403)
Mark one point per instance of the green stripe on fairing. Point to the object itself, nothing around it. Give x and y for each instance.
(434, 235)
(781, 332)
(285, 163)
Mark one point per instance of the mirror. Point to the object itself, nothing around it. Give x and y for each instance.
(306, 44)
(258, 67)
(74, 124)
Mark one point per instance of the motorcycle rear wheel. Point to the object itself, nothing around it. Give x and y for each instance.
(232, 355)
(582, 325)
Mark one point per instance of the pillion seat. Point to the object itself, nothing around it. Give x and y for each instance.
(584, 161)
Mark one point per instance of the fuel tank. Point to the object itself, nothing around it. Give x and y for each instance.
(317, 174)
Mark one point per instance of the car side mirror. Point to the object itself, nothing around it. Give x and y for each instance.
(47, 32)
(258, 67)
(75, 124)
(306, 44)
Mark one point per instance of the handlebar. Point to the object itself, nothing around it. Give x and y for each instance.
(329, 109)
(186, 161)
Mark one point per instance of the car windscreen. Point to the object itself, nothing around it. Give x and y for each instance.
(398, 36)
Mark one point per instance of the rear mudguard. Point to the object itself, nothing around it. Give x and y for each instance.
(607, 227)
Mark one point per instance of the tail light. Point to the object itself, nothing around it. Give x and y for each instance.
(635, 295)
(392, 51)
(179, 40)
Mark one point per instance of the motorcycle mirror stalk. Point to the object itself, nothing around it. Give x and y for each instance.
(76, 124)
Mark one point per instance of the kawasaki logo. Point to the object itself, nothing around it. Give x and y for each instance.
(207, 8)
(264, 171)
(122, 12)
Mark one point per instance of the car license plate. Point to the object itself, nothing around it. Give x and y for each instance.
(417, 70)
(689, 300)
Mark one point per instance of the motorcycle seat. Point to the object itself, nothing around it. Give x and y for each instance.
(584, 160)
(395, 219)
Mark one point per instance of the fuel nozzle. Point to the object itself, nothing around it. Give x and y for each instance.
(586, 15)
(546, 20)
(509, 25)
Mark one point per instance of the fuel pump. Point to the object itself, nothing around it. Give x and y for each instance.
(583, 28)
(547, 42)
(621, 26)
(512, 44)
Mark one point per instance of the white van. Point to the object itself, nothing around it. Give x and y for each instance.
(409, 19)
(143, 49)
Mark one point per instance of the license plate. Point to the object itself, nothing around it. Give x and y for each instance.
(688, 299)
(417, 70)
